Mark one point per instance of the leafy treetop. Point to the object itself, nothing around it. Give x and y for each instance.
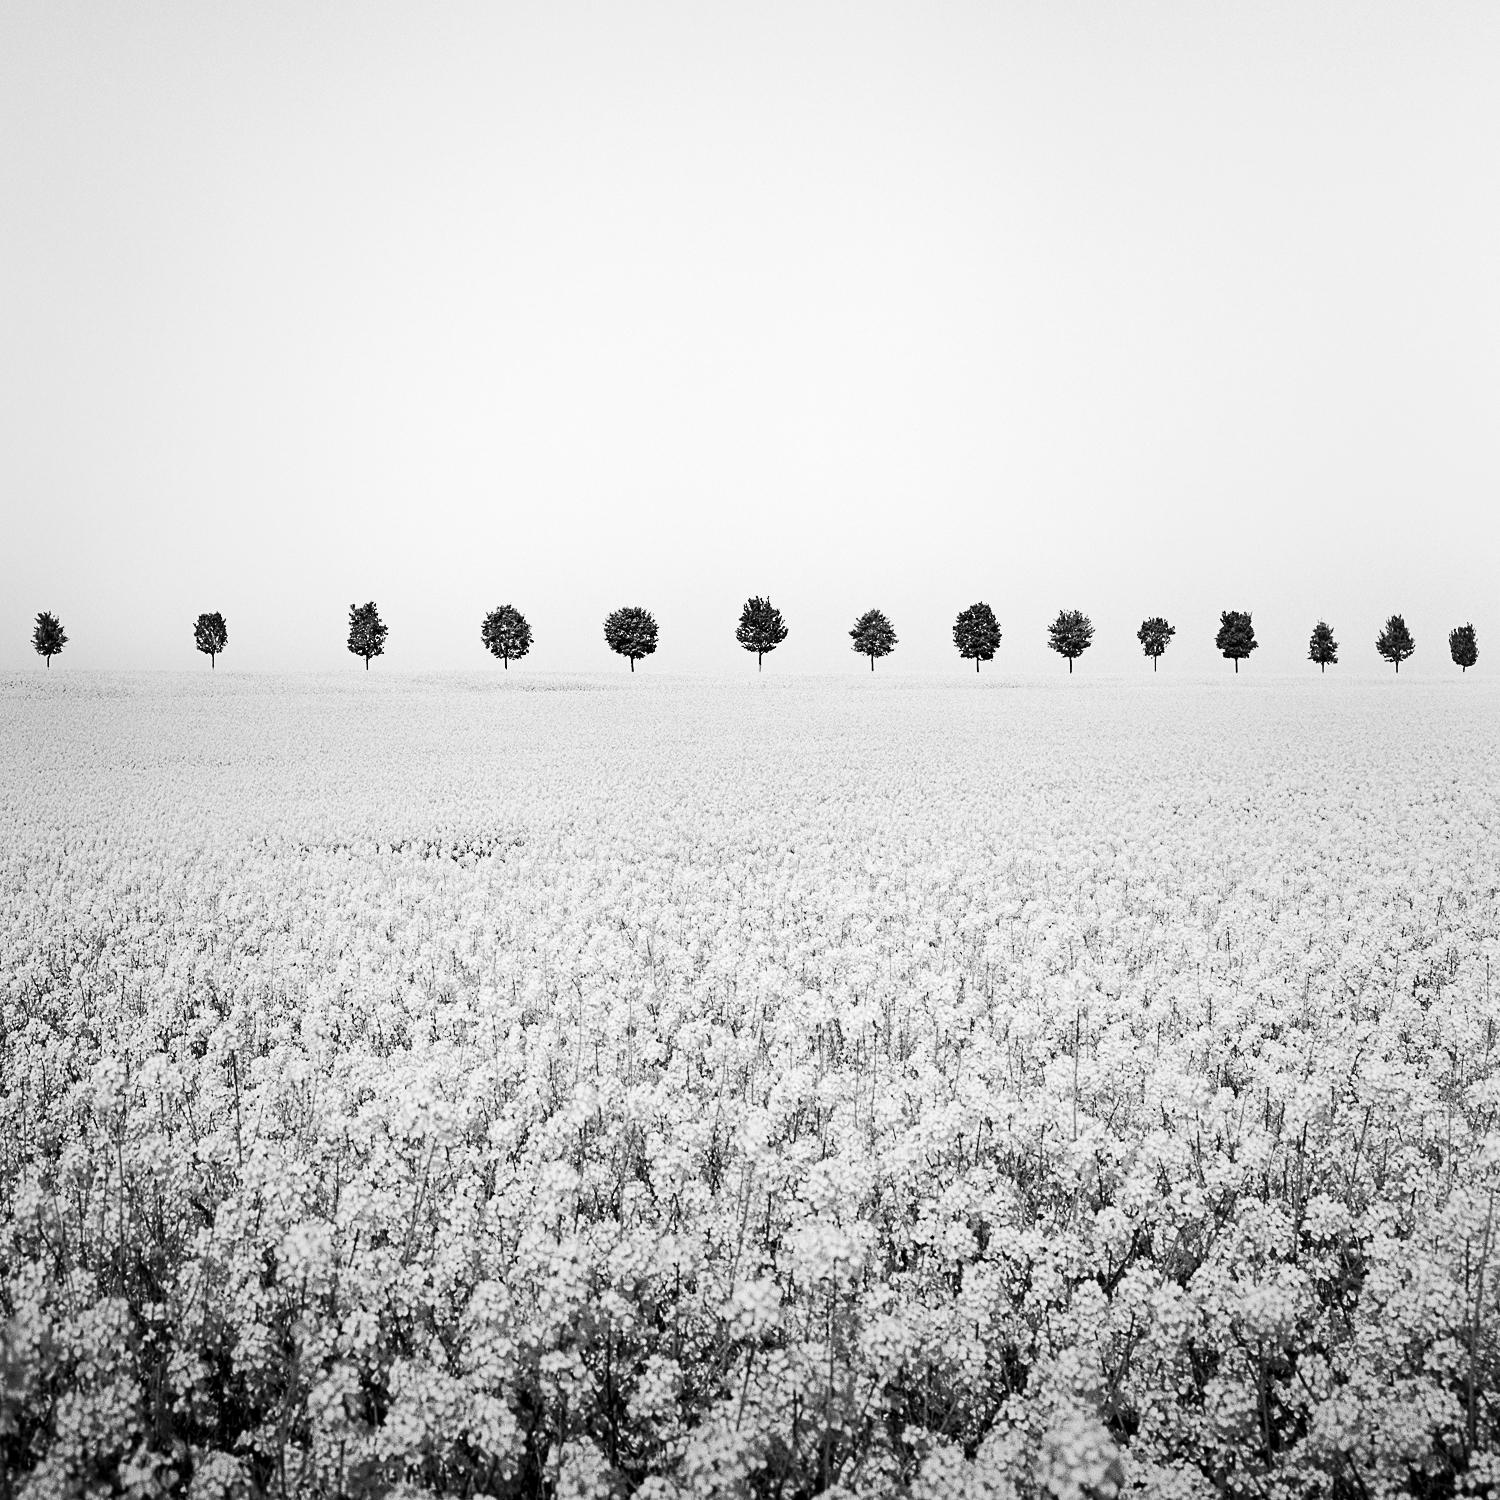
(48, 638)
(1464, 646)
(761, 627)
(873, 635)
(1154, 636)
(1236, 637)
(367, 631)
(631, 632)
(1321, 646)
(1070, 634)
(506, 634)
(1395, 642)
(976, 633)
(210, 635)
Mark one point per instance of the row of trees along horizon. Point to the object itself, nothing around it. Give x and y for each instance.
(632, 632)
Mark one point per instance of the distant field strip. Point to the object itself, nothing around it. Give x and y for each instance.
(705, 1088)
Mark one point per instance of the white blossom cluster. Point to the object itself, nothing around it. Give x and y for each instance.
(418, 1086)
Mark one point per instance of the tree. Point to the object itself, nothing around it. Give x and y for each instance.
(1464, 646)
(506, 634)
(1070, 634)
(976, 633)
(367, 631)
(1321, 646)
(48, 637)
(210, 635)
(631, 632)
(873, 635)
(1236, 637)
(761, 627)
(1154, 636)
(1395, 642)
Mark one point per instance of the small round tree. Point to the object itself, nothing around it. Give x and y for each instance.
(1236, 637)
(506, 634)
(48, 638)
(210, 636)
(1321, 646)
(1395, 641)
(976, 633)
(1154, 636)
(367, 631)
(1070, 635)
(1464, 646)
(631, 631)
(761, 627)
(873, 636)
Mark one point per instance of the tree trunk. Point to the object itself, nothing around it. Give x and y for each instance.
(367, 663)
(49, 661)
(632, 664)
(1153, 663)
(757, 661)
(976, 664)
(213, 662)
(1070, 666)
(1323, 667)
(872, 661)
(1398, 666)
(1236, 666)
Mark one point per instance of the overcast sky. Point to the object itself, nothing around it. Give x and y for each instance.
(1140, 308)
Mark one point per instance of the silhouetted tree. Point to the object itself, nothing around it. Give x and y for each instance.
(631, 631)
(873, 635)
(1464, 645)
(367, 631)
(761, 627)
(1321, 646)
(1395, 641)
(1236, 637)
(976, 633)
(506, 634)
(1154, 636)
(1070, 634)
(48, 637)
(210, 636)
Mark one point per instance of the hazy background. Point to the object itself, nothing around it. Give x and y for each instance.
(1135, 308)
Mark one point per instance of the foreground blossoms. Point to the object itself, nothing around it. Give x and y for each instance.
(856, 1089)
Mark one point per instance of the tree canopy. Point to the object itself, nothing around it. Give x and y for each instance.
(506, 634)
(1395, 642)
(1070, 634)
(210, 635)
(47, 638)
(1463, 644)
(761, 627)
(631, 632)
(367, 631)
(1236, 637)
(1154, 636)
(873, 635)
(976, 633)
(1321, 646)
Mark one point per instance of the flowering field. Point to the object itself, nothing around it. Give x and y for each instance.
(690, 1088)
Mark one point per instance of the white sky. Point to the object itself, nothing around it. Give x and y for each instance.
(1135, 308)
